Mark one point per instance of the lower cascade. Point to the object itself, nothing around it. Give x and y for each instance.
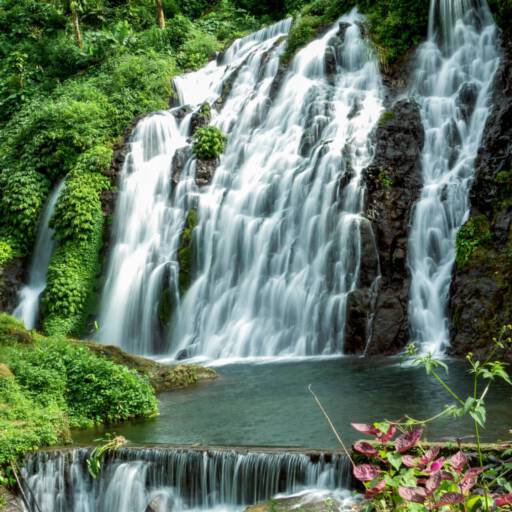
(27, 309)
(161, 480)
(453, 83)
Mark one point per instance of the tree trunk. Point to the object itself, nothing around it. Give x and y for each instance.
(76, 27)
(160, 14)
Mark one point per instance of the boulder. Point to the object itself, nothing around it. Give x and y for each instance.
(393, 185)
(205, 169)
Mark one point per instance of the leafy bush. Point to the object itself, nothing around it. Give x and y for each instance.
(197, 51)
(209, 142)
(471, 235)
(6, 253)
(22, 195)
(59, 383)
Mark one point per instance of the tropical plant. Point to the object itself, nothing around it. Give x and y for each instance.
(400, 473)
(209, 142)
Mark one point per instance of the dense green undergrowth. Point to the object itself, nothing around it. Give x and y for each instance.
(57, 384)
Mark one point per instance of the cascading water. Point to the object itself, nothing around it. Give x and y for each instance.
(279, 236)
(453, 83)
(161, 480)
(151, 209)
(27, 309)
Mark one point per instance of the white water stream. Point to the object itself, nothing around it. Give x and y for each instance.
(453, 83)
(29, 296)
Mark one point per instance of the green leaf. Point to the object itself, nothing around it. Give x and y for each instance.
(395, 459)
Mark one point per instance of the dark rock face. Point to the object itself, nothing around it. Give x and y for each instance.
(393, 185)
(481, 292)
(11, 280)
(179, 160)
(200, 118)
(205, 169)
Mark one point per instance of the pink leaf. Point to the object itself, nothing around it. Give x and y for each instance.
(415, 494)
(410, 461)
(436, 466)
(470, 479)
(365, 428)
(365, 448)
(408, 440)
(458, 462)
(384, 438)
(450, 498)
(433, 482)
(376, 489)
(429, 456)
(366, 472)
(502, 499)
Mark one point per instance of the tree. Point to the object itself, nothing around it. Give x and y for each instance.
(160, 16)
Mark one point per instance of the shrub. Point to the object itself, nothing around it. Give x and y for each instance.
(6, 253)
(209, 142)
(471, 235)
(22, 195)
(197, 51)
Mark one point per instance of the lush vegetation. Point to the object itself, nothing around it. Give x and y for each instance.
(49, 385)
(209, 142)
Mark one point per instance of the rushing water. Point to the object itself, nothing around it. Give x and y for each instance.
(162, 480)
(453, 83)
(279, 234)
(151, 208)
(27, 309)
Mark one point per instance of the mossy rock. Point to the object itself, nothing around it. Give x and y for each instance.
(5, 371)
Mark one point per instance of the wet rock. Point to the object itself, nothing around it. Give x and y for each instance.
(200, 118)
(179, 160)
(305, 503)
(393, 184)
(205, 169)
(180, 113)
(182, 354)
(466, 100)
(481, 295)
(356, 325)
(12, 277)
(11, 502)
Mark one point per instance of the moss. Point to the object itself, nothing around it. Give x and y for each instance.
(186, 252)
(6, 253)
(472, 235)
(385, 179)
(386, 117)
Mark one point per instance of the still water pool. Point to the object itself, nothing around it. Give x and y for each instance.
(269, 404)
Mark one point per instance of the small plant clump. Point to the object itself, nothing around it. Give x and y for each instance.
(471, 235)
(209, 142)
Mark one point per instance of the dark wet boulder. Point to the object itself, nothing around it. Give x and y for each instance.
(393, 183)
(205, 169)
(179, 161)
(200, 118)
(12, 277)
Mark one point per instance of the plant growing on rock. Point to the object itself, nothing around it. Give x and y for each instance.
(209, 142)
(400, 473)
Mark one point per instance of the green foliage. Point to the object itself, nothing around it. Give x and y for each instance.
(209, 142)
(385, 179)
(79, 205)
(396, 25)
(197, 50)
(185, 251)
(6, 253)
(473, 234)
(22, 195)
(386, 117)
(64, 375)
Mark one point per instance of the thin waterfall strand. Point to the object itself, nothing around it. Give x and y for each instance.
(29, 296)
(453, 85)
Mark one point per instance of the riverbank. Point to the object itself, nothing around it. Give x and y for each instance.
(51, 385)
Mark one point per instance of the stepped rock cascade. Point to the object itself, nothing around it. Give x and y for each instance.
(29, 296)
(279, 233)
(152, 208)
(161, 480)
(453, 83)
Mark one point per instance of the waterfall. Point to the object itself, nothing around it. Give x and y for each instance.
(453, 86)
(152, 204)
(160, 480)
(279, 234)
(27, 309)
